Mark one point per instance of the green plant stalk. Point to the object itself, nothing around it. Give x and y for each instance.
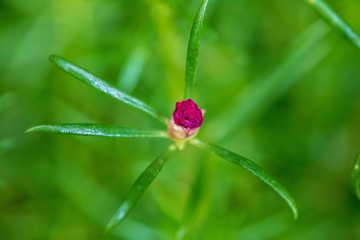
(134, 67)
(87, 129)
(356, 176)
(193, 50)
(98, 83)
(251, 167)
(336, 21)
(139, 187)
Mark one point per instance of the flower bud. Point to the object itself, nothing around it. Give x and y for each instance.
(185, 120)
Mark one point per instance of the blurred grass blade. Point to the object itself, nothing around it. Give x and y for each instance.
(139, 187)
(134, 67)
(196, 204)
(86, 129)
(356, 176)
(96, 82)
(251, 167)
(306, 51)
(193, 49)
(335, 20)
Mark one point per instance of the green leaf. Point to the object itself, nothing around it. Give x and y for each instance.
(251, 167)
(336, 21)
(193, 49)
(86, 129)
(98, 83)
(139, 187)
(356, 176)
(134, 67)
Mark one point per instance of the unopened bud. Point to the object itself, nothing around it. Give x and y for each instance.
(185, 120)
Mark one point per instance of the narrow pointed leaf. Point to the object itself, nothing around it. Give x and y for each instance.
(336, 21)
(139, 187)
(253, 168)
(98, 83)
(356, 176)
(86, 129)
(193, 49)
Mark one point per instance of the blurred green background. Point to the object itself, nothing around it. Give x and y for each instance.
(278, 85)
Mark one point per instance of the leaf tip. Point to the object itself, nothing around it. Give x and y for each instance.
(116, 219)
(35, 129)
(52, 57)
(291, 203)
(109, 227)
(30, 130)
(295, 212)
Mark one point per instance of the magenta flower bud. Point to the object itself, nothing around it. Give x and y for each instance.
(185, 120)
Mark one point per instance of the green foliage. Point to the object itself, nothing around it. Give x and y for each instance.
(304, 54)
(144, 180)
(87, 129)
(139, 187)
(336, 21)
(98, 83)
(276, 87)
(356, 176)
(251, 167)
